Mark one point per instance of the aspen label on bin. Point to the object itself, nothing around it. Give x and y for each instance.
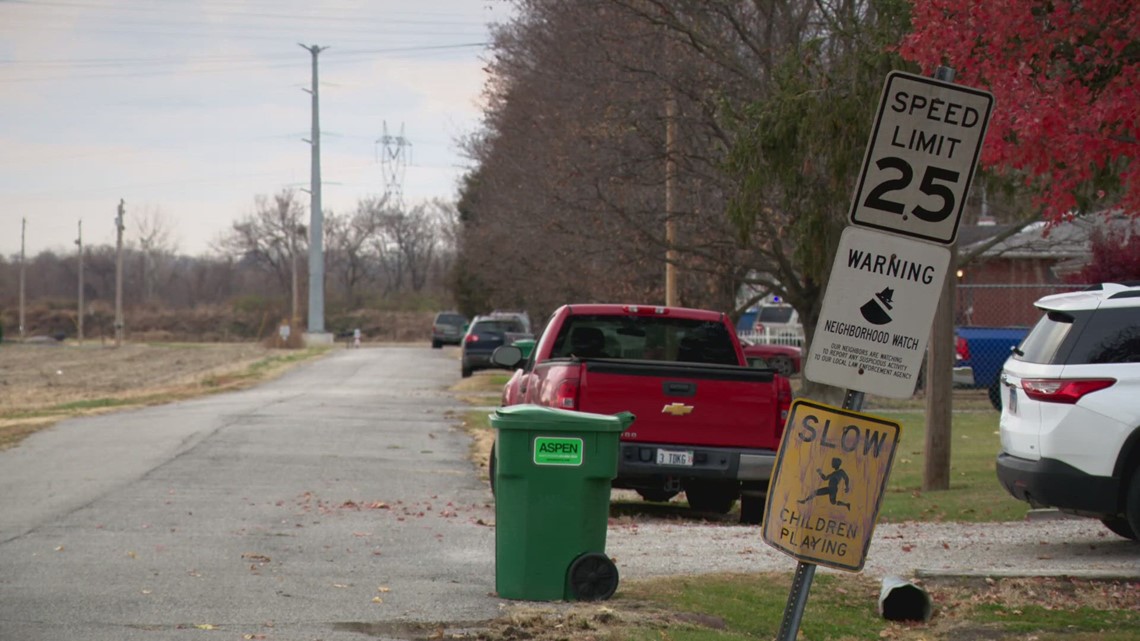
(828, 483)
(557, 450)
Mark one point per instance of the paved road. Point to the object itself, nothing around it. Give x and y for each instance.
(335, 501)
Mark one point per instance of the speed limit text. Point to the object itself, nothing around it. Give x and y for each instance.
(938, 110)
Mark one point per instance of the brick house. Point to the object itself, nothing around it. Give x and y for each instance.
(999, 287)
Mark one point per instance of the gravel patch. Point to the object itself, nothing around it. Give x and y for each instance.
(1058, 547)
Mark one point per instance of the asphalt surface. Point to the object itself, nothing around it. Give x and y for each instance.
(333, 502)
(338, 503)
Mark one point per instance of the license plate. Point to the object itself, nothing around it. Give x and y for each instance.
(670, 457)
(1013, 401)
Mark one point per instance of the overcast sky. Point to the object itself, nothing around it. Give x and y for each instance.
(192, 108)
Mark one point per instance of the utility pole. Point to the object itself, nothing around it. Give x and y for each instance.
(79, 242)
(23, 268)
(316, 217)
(119, 275)
(940, 370)
(670, 200)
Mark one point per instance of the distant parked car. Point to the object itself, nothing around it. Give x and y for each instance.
(521, 315)
(785, 359)
(981, 352)
(1070, 419)
(485, 334)
(447, 329)
(772, 322)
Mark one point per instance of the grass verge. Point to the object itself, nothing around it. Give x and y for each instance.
(841, 607)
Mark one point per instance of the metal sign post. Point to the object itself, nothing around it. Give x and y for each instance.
(876, 316)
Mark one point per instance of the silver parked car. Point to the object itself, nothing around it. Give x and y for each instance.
(448, 329)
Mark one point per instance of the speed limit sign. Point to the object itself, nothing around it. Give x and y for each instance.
(921, 157)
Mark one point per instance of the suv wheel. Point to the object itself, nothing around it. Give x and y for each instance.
(1132, 504)
(436, 344)
(1119, 526)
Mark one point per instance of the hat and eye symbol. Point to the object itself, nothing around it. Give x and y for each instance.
(873, 310)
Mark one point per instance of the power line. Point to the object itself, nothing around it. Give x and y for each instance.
(428, 17)
(235, 64)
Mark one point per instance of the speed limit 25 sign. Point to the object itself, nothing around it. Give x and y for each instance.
(921, 157)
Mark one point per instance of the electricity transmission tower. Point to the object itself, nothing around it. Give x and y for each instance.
(393, 165)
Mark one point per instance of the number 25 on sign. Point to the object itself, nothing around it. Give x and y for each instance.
(921, 157)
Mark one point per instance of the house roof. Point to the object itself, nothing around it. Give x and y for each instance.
(972, 234)
(1063, 241)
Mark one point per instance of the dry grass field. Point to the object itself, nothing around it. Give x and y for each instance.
(45, 382)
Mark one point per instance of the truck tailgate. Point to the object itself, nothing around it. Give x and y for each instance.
(702, 405)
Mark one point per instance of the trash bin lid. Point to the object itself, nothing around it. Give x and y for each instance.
(528, 416)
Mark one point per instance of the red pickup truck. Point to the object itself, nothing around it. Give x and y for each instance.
(707, 424)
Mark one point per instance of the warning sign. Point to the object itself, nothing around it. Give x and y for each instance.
(876, 314)
(825, 493)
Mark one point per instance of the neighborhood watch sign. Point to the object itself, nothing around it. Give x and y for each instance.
(877, 312)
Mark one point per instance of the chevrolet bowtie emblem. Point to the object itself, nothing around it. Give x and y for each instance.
(677, 409)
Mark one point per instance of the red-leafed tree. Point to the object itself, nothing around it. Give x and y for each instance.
(1115, 258)
(1066, 78)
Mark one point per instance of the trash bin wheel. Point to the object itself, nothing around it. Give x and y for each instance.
(593, 577)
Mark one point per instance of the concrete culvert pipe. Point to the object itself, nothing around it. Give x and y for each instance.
(901, 600)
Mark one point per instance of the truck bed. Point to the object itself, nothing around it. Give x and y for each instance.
(686, 403)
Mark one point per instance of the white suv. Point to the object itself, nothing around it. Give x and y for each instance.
(1070, 419)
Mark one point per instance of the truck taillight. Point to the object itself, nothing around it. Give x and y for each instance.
(783, 398)
(566, 397)
(962, 347)
(1059, 390)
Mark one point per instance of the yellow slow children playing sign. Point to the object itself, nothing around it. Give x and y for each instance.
(825, 493)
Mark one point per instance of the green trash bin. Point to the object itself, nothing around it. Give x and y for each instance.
(526, 346)
(552, 501)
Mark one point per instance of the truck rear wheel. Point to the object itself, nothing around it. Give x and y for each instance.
(995, 395)
(656, 495)
(752, 508)
(713, 496)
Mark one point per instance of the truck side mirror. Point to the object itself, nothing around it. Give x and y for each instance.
(507, 356)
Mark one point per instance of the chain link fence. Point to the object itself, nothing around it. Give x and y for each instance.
(1003, 305)
(991, 320)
